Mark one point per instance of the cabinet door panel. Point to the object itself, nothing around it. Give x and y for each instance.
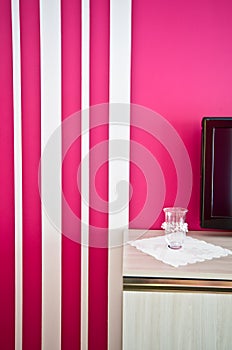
(176, 321)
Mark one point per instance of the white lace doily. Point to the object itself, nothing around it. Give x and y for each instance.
(194, 250)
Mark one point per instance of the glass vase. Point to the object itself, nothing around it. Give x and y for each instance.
(175, 226)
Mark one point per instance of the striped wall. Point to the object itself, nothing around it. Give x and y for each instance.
(56, 63)
(94, 95)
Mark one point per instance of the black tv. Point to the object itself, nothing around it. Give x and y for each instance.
(216, 173)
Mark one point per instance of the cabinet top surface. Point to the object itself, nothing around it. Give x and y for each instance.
(139, 264)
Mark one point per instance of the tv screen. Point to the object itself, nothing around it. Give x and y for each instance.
(216, 173)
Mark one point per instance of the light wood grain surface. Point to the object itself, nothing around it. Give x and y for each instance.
(177, 321)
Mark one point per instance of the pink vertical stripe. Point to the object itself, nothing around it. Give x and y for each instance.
(31, 152)
(71, 103)
(7, 262)
(99, 93)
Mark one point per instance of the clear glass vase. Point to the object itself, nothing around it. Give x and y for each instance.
(175, 226)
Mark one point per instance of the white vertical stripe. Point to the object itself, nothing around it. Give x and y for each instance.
(17, 171)
(50, 28)
(120, 63)
(84, 175)
(120, 54)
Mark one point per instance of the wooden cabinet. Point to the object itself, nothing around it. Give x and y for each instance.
(167, 308)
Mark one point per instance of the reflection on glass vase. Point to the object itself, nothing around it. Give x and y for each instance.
(175, 226)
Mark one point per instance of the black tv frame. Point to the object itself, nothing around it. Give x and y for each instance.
(207, 218)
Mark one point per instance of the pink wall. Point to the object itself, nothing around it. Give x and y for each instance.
(7, 221)
(181, 68)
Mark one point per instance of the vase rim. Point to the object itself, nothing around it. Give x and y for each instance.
(175, 209)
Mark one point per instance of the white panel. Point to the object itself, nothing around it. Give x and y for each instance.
(85, 174)
(120, 50)
(120, 63)
(120, 60)
(17, 171)
(50, 119)
(175, 321)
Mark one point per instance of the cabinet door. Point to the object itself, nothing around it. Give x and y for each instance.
(176, 321)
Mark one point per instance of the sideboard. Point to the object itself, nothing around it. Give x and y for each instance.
(169, 308)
